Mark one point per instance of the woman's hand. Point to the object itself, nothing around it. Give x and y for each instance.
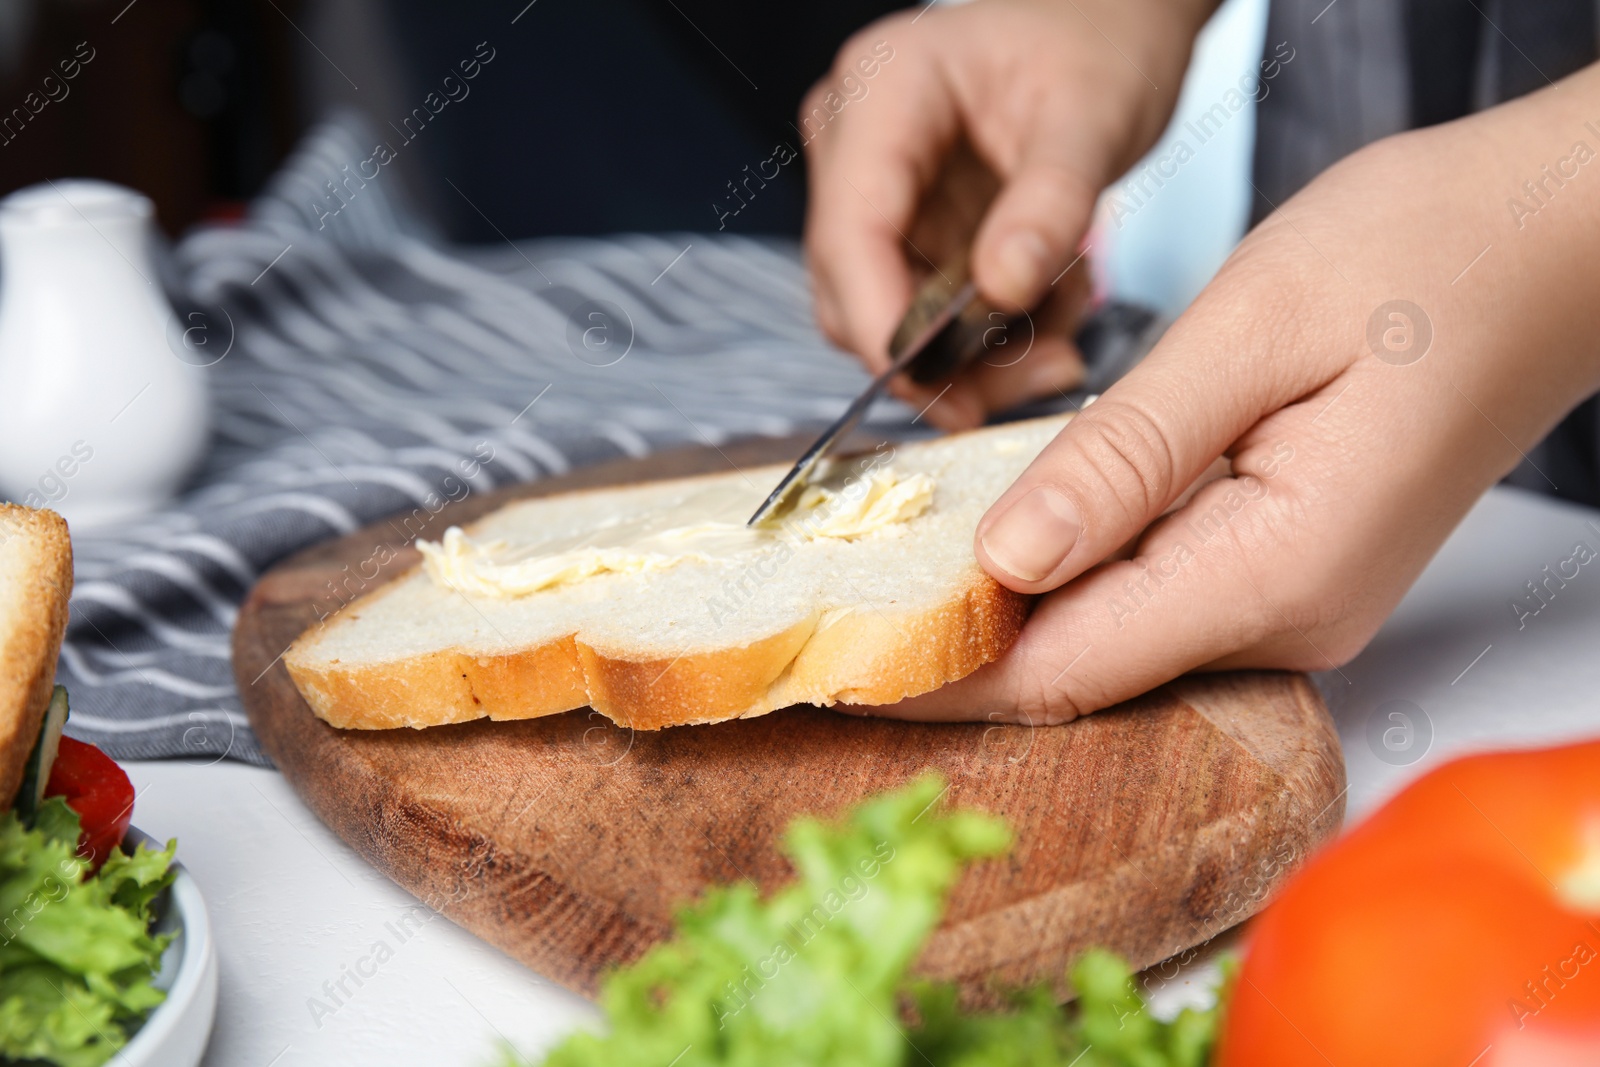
(992, 128)
(1372, 358)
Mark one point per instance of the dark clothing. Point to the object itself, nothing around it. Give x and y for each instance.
(1365, 69)
(611, 116)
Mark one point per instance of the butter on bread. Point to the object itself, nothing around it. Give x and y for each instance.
(35, 584)
(707, 523)
(734, 628)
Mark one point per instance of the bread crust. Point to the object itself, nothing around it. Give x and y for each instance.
(866, 657)
(28, 651)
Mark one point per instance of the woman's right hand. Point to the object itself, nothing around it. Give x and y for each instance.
(992, 127)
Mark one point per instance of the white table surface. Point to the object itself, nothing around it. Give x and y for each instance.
(295, 908)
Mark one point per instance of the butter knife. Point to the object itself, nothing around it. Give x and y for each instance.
(943, 330)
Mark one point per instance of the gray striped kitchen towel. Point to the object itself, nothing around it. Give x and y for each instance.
(368, 365)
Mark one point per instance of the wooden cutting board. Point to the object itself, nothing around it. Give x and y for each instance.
(568, 841)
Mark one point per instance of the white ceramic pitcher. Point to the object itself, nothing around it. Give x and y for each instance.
(103, 408)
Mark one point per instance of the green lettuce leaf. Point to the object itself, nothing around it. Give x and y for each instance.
(1108, 1026)
(76, 953)
(818, 973)
(133, 880)
(57, 822)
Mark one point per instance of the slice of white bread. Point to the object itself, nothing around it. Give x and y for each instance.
(870, 620)
(35, 584)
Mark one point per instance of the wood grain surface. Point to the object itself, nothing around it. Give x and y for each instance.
(569, 841)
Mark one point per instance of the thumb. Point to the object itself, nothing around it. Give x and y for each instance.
(1031, 232)
(1126, 458)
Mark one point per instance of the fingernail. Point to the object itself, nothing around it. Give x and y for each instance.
(1033, 536)
(1023, 260)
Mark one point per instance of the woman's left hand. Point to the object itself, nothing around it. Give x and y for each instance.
(1372, 358)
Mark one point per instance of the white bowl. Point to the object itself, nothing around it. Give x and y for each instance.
(175, 1035)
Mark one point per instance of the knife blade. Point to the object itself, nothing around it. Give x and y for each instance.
(936, 336)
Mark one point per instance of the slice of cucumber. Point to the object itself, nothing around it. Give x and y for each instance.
(37, 773)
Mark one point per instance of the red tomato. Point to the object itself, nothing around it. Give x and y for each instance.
(1460, 925)
(98, 790)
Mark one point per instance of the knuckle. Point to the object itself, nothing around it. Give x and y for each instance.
(1055, 192)
(1048, 703)
(867, 38)
(809, 103)
(1308, 652)
(1274, 289)
(1057, 689)
(1306, 630)
(1335, 651)
(1337, 626)
(1263, 623)
(1289, 599)
(1128, 451)
(1275, 608)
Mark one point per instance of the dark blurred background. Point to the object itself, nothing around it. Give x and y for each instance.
(591, 117)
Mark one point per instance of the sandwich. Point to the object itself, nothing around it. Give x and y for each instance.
(77, 952)
(35, 584)
(656, 605)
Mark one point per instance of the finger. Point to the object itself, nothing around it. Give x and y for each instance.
(1032, 232)
(965, 402)
(950, 407)
(1030, 359)
(1032, 356)
(1186, 600)
(868, 168)
(1126, 458)
(1053, 366)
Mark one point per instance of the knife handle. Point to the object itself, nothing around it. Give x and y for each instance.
(979, 330)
